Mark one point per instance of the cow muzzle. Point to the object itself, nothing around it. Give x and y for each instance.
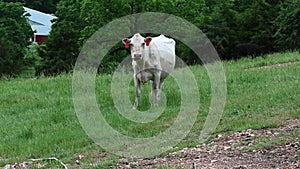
(137, 57)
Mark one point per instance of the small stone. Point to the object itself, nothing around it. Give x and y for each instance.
(213, 161)
(230, 141)
(227, 148)
(251, 135)
(8, 166)
(80, 157)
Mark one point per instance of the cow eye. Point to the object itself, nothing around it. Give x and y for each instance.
(143, 44)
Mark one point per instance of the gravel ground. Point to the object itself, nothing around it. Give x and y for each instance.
(267, 148)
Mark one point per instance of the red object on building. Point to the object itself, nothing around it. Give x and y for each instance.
(40, 39)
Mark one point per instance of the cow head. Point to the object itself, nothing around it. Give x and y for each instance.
(137, 45)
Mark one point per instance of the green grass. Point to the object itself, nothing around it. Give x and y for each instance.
(37, 117)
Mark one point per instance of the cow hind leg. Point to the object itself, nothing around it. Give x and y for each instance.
(155, 97)
(156, 89)
(161, 83)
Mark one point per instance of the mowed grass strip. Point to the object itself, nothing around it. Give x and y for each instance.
(38, 120)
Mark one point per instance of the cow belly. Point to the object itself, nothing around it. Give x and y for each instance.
(144, 76)
(164, 66)
(167, 67)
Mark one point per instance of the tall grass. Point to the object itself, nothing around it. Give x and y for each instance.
(37, 117)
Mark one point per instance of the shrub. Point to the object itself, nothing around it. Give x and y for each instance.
(287, 26)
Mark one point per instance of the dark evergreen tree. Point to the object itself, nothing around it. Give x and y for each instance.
(48, 6)
(15, 34)
(221, 27)
(255, 24)
(287, 26)
(61, 48)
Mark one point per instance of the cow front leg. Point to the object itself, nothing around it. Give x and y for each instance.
(137, 85)
(161, 83)
(155, 99)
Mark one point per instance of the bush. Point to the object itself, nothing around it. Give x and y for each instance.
(287, 25)
(32, 60)
(15, 33)
(11, 62)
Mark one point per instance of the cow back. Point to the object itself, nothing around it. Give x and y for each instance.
(162, 52)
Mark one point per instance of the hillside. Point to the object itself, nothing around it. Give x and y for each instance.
(38, 120)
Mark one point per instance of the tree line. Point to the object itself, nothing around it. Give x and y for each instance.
(271, 24)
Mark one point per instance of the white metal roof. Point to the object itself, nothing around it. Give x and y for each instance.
(40, 22)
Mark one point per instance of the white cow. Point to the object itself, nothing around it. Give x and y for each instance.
(152, 59)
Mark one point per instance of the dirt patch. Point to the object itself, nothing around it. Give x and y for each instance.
(267, 148)
(276, 65)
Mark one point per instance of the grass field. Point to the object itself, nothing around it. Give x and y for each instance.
(37, 117)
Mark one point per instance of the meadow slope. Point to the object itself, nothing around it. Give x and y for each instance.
(38, 120)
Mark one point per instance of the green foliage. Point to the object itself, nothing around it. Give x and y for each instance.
(234, 22)
(61, 48)
(288, 26)
(10, 57)
(96, 14)
(221, 28)
(13, 23)
(14, 37)
(226, 23)
(48, 6)
(73, 28)
(32, 60)
(256, 23)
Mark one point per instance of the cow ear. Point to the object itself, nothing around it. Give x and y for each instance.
(148, 40)
(126, 41)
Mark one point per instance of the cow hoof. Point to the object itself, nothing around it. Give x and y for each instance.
(155, 104)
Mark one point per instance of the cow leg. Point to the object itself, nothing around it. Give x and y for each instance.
(156, 89)
(137, 85)
(155, 93)
(161, 83)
